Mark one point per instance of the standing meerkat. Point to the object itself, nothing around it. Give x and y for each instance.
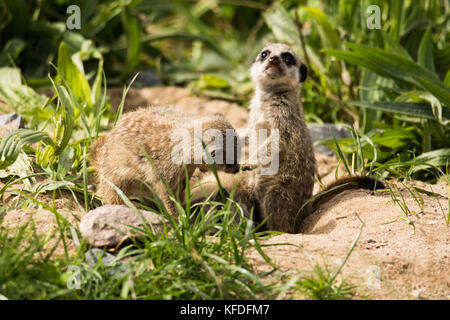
(280, 197)
(120, 156)
(277, 73)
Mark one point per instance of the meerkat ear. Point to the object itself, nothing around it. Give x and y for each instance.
(303, 73)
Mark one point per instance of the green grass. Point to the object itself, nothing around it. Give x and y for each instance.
(391, 85)
(200, 255)
(186, 261)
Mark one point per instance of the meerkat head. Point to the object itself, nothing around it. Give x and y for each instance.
(277, 68)
(221, 140)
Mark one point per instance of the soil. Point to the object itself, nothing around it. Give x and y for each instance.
(392, 259)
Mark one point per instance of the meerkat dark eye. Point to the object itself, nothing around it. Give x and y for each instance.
(264, 54)
(288, 59)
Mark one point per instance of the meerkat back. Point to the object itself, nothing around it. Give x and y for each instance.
(122, 156)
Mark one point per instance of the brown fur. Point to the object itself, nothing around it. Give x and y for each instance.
(119, 158)
(276, 105)
(95, 149)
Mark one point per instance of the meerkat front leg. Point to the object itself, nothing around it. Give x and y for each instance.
(107, 192)
(162, 192)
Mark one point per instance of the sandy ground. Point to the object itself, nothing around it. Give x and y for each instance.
(393, 259)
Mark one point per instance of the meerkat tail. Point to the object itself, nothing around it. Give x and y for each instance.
(341, 185)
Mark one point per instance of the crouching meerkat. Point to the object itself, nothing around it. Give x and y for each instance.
(161, 134)
(279, 196)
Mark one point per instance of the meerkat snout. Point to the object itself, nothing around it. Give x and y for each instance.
(278, 68)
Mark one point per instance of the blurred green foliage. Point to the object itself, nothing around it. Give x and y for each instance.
(382, 81)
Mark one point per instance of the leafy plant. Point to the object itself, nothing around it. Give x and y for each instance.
(59, 129)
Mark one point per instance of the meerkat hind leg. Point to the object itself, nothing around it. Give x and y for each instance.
(275, 201)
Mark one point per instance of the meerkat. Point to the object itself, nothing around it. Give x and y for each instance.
(278, 73)
(121, 156)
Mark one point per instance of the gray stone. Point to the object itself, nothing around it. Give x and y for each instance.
(11, 118)
(322, 132)
(146, 78)
(10, 122)
(109, 224)
(119, 268)
(94, 255)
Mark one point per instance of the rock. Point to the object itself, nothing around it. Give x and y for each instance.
(119, 268)
(10, 122)
(95, 254)
(11, 118)
(109, 224)
(146, 78)
(322, 132)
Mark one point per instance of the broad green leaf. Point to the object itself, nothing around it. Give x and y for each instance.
(348, 145)
(68, 116)
(447, 79)
(367, 93)
(10, 76)
(394, 63)
(421, 110)
(425, 52)
(131, 26)
(66, 160)
(442, 58)
(11, 50)
(12, 143)
(394, 47)
(75, 79)
(328, 34)
(393, 138)
(393, 66)
(18, 96)
(184, 36)
(347, 9)
(96, 86)
(22, 167)
(195, 25)
(438, 158)
(435, 105)
(101, 19)
(83, 48)
(51, 185)
(45, 157)
(212, 81)
(396, 11)
(282, 25)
